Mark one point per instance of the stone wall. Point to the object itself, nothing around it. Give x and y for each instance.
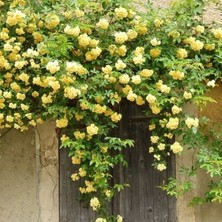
(18, 183)
(29, 175)
(210, 212)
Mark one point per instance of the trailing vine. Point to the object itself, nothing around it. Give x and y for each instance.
(75, 61)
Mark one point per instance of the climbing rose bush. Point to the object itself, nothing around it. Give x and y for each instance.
(76, 62)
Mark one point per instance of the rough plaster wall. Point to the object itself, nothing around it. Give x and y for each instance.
(161, 3)
(47, 165)
(186, 213)
(211, 212)
(18, 181)
(29, 175)
(212, 14)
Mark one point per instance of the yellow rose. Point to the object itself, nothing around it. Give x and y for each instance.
(15, 86)
(119, 218)
(79, 13)
(121, 13)
(100, 219)
(136, 79)
(161, 146)
(121, 50)
(12, 105)
(107, 69)
(75, 177)
(15, 17)
(84, 40)
(72, 31)
(217, 33)
(139, 101)
(158, 23)
(9, 118)
(71, 92)
(61, 123)
(53, 67)
(24, 107)
(199, 29)
(20, 96)
(187, 95)
(176, 147)
(132, 34)
(151, 99)
(92, 129)
(103, 24)
(138, 59)
(94, 203)
(120, 37)
(35, 94)
(174, 34)
(165, 89)
(82, 172)
(131, 96)
(154, 139)
(115, 117)
(161, 167)
(46, 99)
(177, 75)
(175, 109)
(155, 42)
(209, 47)
(181, 53)
(192, 122)
(155, 52)
(124, 79)
(197, 45)
(7, 94)
(99, 109)
(76, 160)
(155, 109)
(139, 51)
(52, 21)
(142, 29)
(173, 123)
(126, 89)
(112, 49)
(120, 65)
(146, 73)
(93, 43)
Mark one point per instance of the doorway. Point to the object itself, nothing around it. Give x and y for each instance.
(143, 201)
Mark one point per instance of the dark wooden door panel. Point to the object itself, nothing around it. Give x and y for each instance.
(143, 201)
(71, 209)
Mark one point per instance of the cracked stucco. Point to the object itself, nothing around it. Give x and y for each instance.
(29, 175)
(46, 143)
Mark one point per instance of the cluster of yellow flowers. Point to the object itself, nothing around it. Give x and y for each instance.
(100, 220)
(94, 203)
(78, 66)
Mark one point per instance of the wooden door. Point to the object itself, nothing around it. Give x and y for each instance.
(143, 201)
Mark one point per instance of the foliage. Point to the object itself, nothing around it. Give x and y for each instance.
(75, 61)
(207, 142)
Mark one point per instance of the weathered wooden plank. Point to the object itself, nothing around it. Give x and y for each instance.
(71, 209)
(171, 172)
(62, 186)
